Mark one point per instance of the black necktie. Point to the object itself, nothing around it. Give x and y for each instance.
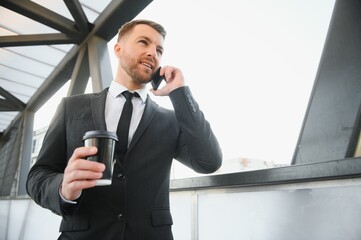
(124, 122)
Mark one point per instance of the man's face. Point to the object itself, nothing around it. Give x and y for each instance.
(139, 53)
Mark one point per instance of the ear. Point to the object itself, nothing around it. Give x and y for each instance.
(118, 49)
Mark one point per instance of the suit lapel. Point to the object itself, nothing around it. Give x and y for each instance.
(98, 106)
(149, 111)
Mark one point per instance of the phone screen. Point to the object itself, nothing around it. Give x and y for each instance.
(156, 79)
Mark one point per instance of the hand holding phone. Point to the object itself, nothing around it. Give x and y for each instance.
(171, 75)
(156, 79)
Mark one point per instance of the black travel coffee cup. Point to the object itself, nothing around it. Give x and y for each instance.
(105, 142)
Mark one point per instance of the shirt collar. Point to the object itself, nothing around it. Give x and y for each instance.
(116, 88)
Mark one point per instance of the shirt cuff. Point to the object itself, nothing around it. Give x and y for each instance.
(66, 200)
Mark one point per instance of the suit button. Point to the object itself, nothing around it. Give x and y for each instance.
(121, 176)
(120, 217)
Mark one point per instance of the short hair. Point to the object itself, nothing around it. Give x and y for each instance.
(128, 26)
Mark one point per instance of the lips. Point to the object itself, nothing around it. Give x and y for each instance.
(147, 64)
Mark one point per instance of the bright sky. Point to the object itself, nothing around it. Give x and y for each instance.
(250, 64)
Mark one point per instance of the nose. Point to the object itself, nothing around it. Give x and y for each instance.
(152, 51)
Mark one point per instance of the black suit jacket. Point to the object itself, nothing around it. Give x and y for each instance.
(136, 205)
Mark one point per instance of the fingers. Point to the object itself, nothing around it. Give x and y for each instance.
(171, 73)
(174, 79)
(82, 153)
(80, 174)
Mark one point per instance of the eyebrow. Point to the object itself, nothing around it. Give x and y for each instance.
(149, 40)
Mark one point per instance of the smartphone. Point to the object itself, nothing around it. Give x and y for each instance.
(156, 79)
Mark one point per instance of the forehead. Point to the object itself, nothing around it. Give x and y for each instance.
(143, 30)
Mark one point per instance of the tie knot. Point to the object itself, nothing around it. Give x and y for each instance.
(128, 95)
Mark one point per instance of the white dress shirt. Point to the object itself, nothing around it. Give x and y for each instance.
(114, 107)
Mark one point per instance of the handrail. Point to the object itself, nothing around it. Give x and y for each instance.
(318, 171)
(311, 172)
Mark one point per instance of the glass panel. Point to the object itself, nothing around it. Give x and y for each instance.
(319, 213)
(17, 214)
(13, 60)
(91, 15)
(182, 204)
(4, 213)
(21, 24)
(20, 91)
(63, 47)
(56, 6)
(95, 5)
(45, 54)
(5, 32)
(93, 8)
(13, 75)
(38, 218)
(23, 219)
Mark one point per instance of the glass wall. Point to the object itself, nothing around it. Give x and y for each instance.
(251, 66)
(327, 210)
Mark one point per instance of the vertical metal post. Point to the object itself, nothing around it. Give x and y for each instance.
(99, 63)
(194, 216)
(80, 74)
(25, 152)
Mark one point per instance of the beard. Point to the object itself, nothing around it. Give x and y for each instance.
(131, 67)
(138, 76)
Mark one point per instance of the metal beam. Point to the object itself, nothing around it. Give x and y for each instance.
(78, 14)
(99, 63)
(6, 106)
(116, 14)
(107, 25)
(54, 81)
(80, 75)
(37, 39)
(10, 103)
(315, 171)
(25, 154)
(42, 15)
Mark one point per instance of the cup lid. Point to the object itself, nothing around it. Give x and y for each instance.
(100, 134)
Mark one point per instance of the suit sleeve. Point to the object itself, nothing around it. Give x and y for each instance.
(45, 177)
(198, 148)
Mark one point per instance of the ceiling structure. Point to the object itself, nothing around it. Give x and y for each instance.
(40, 41)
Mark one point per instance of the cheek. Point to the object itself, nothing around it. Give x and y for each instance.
(159, 59)
(127, 59)
(130, 53)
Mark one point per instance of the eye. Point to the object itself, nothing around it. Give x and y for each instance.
(143, 42)
(160, 51)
